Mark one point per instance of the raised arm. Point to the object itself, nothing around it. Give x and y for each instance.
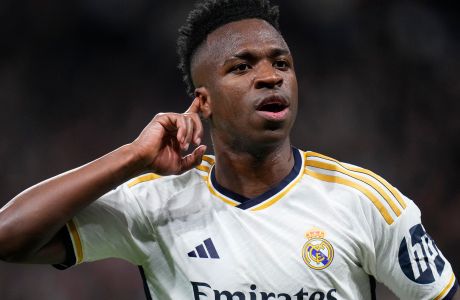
(30, 223)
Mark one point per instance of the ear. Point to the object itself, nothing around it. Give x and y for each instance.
(202, 93)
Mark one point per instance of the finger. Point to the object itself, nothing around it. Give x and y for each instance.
(197, 129)
(193, 159)
(189, 131)
(181, 125)
(194, 107)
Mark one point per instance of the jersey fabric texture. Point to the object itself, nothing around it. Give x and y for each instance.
(325, 232)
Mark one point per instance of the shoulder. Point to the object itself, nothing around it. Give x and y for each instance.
(173, 183)
(373, 191)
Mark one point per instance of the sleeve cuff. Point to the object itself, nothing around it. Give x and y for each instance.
(449, 290)
(70, 259)
(452, 291)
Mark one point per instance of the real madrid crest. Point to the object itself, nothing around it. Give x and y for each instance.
(317, 252)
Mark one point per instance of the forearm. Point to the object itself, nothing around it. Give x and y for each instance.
(32, 218)
(29, 222)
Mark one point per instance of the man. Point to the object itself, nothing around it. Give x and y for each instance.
(259, 220)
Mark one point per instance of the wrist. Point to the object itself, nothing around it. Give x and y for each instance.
(121, 165)
(136, 159)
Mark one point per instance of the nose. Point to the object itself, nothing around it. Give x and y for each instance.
(267, 77)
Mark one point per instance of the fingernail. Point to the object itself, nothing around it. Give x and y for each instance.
(198, 141)
(186, 146)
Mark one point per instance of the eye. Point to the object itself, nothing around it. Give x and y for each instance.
(281, 64)
(240, 68)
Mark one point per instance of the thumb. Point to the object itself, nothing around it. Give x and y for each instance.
(193, 159)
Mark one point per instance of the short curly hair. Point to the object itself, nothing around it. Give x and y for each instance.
(207, 16)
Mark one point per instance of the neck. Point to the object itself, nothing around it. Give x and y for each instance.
(254, 171)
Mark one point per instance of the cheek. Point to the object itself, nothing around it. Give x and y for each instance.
(295, 95)
(291, 80)
(230, 98)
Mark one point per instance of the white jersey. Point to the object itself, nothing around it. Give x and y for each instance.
(325, 232)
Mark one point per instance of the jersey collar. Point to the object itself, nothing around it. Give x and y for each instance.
(266, 199)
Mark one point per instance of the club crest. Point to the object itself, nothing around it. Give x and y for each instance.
(317, 252)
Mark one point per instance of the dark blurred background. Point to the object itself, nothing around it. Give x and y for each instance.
(379, 87)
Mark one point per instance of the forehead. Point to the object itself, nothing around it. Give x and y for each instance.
(231, 38)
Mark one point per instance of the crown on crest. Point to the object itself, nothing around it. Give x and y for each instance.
(315, 233)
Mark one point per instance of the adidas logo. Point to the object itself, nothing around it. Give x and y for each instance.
(204, 250)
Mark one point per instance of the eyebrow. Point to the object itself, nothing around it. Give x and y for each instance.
(249, 55)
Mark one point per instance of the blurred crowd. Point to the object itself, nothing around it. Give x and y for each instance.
(379, 86)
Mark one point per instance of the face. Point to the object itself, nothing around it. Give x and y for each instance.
(245, 79)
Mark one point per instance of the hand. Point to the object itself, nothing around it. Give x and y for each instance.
(161, 143)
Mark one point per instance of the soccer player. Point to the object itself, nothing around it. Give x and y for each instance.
(259, 220)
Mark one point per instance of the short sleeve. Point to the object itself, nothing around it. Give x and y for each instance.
(408, 261)
(114, 226)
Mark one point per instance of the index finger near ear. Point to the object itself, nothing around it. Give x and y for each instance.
(194, 107)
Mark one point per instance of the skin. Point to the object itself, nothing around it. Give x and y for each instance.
(239, 64)
(226, 98)
(252, 148)
(48, 205)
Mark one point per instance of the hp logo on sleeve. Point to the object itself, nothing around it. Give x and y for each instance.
(419, 258)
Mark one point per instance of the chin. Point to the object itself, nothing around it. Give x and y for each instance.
(272, 137)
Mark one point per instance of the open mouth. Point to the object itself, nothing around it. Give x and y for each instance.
(273, 108)
(273, 104)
